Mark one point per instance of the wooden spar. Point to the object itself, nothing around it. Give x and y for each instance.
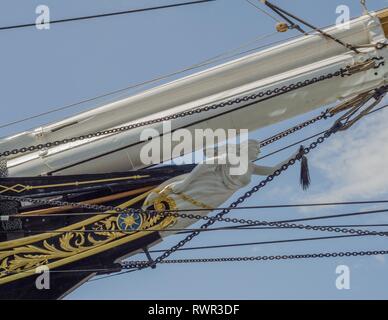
(383, 17)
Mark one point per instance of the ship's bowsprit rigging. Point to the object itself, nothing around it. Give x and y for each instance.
(76, 198)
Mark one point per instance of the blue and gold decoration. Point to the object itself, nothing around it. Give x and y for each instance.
(129, 221)
(79, 242)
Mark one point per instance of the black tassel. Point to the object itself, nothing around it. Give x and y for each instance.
(304, 171)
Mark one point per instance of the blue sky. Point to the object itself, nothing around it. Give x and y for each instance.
(42, 70)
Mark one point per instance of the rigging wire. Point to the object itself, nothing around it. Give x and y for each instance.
(104, 15)
(240, 227)
(234, 259)
(252, 228)
(310, 137)
(182, 242)
(251, 99)
(217, 58)
(59, 204)
(226, 259)
(129, 264)
(364, 7)
(341, 215)
(170, 261)
(105, 270)
(138, 264)
(243, 226)
(290, 145)
(195, 66)
(279, 206)
(281, 223)
(263, 11)
(338, 126)
(247, 227)
(283, 13)
(215, 259)
(245, 244)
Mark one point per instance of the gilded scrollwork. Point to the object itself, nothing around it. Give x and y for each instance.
(27, 257)
(71, 243)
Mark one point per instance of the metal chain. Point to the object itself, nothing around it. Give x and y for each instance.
(142, 264)
(220, 216)
(248, 194)
(324, 115)
(139, 265)
(264, 95)
(3, 168)
(57, 203)
(336, 127)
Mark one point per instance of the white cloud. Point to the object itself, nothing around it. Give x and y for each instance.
(380, 258)
(354, 163)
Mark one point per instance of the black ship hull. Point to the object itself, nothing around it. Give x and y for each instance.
(74, 244)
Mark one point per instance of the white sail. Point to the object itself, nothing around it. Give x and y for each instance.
(298, 60)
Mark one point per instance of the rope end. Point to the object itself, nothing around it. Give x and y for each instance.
(304, 170)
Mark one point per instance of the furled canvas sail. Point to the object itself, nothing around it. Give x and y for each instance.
(308, 57)
(76, 241)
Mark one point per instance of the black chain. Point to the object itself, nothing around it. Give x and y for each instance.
(220, 216)
(248, 194)
(138, 265)
(324, 115)
(57, 203)
(210, 220)
(143, 264)
(270, 93)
